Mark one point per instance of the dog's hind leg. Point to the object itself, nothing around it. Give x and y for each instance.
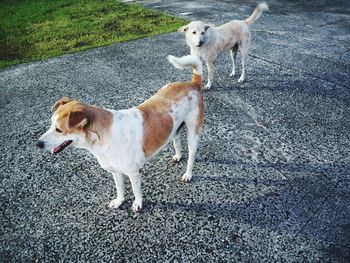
(178, 148)
(177, 144)
(233, 53)
(119, 183)
(192, 139)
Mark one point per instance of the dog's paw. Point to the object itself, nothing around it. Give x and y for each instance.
(207, 87)
(115, 203)
(136, 206)
(240, 80)
(176, 158)
(186, 177)
(232, 74)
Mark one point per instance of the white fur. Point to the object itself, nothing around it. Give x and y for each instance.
(120, 151)
(123, 154)
(123, 150)
(187, 62)
(207, 41)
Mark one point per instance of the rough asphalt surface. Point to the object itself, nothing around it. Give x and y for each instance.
(272, 175)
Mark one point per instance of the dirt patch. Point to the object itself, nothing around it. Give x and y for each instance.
(81, 44)
(150, 15)
(112, 26)
(139, 29)
(105, 10)
(10, 52)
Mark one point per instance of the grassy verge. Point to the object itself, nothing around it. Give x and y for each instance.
(38, 29)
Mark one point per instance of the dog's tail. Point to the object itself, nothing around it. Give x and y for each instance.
(257, 13)
(189, 61)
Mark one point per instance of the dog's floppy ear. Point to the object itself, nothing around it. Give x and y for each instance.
(183, 29)
(60, 102)
(77, 119)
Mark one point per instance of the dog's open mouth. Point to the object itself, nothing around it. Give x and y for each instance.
(61, 147)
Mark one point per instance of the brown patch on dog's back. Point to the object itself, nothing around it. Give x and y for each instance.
(157, 121)
(157, 126)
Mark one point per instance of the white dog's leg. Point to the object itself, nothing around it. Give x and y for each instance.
(192, 139)
(178, 148)
(135, 179)
(244, 54)
(210, 67)
(233, 53)
(119, 183)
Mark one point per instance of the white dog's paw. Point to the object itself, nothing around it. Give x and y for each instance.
(115, 203)
(136, 206)
(207, 87)
(186, 177)
(232, 74)
(176, 158)
(240, 80)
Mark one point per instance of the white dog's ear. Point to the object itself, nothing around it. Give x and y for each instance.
(77, 119)
(183, 29)
(60, 102)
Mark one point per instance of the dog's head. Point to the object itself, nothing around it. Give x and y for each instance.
(196, 32)
(68, 126)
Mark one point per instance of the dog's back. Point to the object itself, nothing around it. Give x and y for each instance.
(171, 105)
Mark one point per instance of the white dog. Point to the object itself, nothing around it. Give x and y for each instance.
(207, 41)
(122, 141)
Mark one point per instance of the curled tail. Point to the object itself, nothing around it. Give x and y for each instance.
(257, 13)
(189, 61)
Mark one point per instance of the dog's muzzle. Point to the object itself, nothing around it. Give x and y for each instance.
(57, 149)
(200, 43)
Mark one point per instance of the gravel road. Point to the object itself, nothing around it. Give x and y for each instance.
(271, 178)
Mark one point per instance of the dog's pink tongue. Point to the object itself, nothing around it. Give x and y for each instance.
(56, 149)
(59, 148)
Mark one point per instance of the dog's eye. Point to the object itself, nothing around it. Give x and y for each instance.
(58, 130)
(202, 33)
(194, 32)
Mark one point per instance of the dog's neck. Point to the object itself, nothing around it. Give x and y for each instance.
(99, 124)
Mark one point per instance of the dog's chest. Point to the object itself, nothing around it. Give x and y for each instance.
(122, 151)
(106, 164)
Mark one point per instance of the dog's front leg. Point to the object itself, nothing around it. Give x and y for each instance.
(119, 183)
(135, 179)
(210, 66)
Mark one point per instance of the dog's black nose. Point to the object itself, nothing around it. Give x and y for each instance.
(200, 43)
(40, 144)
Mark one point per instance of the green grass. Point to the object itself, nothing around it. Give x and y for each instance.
(38, 29)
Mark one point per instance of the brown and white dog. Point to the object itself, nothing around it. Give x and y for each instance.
(207, 41)
(122, 141)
